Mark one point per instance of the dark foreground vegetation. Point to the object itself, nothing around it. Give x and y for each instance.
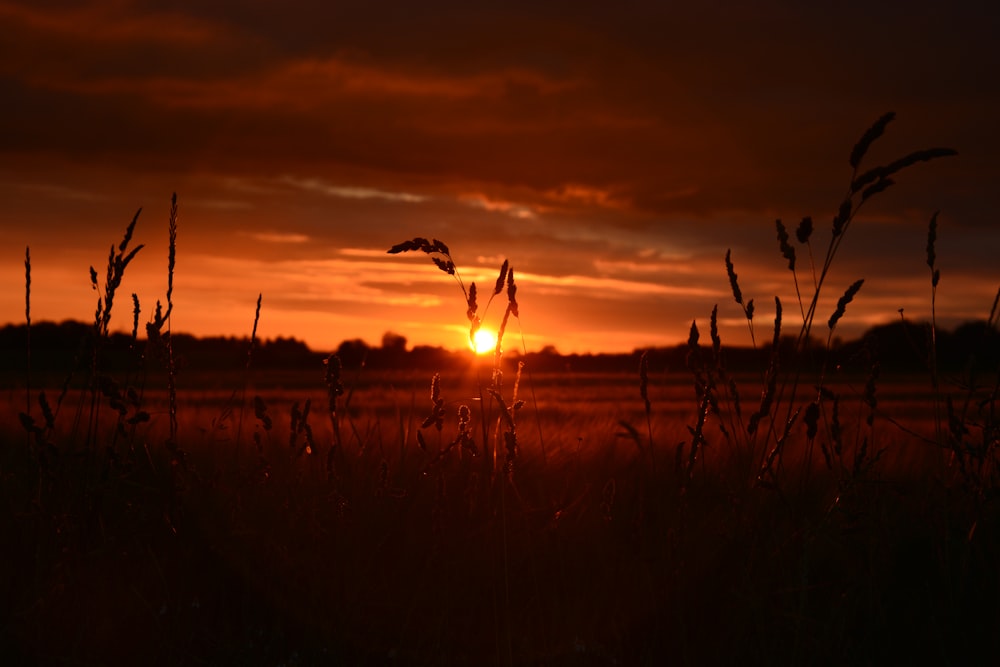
(801, 513)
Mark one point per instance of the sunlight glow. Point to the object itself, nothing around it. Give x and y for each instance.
(484, 342)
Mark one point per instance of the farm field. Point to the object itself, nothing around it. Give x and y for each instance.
(268, 545)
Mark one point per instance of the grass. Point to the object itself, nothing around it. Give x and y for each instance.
(792, 515)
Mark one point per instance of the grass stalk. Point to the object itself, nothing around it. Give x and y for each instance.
(246, 380)
(27, 330)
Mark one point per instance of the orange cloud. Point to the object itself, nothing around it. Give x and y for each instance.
(101, 23)
(514, 210)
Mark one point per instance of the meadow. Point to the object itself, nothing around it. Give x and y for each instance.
(811, 511)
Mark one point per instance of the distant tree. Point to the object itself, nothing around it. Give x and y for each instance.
(393, 351)
(288, 352)
(353, 353)
(428, 357)
(393, 342)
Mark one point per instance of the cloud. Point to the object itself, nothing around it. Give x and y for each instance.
(512, 209)
(280, 237)
(54, 190)
(610, 288)
(103, 22)
(351, 192)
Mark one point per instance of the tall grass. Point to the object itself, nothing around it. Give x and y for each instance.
(764, 436)
(781, 530)
(504, 436)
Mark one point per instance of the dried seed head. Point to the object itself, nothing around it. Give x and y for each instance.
(436, 388)
(436, 418)
(786, 248)
(870, 135)
(500, 281)
(693, 335)
(473, 306)
(843, 215)
(884, 171)
(128, 232)
(879, 185)
(512, 292)
(805, 230)
(843, 301)
(445, 265)
(812, 420)
(730, 271)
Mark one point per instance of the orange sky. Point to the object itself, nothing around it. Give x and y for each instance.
(612, 153)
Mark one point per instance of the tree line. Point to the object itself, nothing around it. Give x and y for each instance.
(901, 346)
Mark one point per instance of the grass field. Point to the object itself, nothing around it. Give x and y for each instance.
(585, 554)
(489, 515)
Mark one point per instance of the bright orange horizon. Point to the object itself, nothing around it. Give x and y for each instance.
(612, 156)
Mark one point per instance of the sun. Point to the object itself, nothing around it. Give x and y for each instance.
(484, 342)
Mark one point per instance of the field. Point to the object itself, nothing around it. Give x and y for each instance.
(811, 510)
(592, 550)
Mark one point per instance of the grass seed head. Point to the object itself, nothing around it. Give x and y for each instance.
(512, 292)
(804, 230)
(843, 215)
(786, 248)
(843, 301)
(731, 272)
(870, 135)
(473, 306)
(503, 277)
(713, 331)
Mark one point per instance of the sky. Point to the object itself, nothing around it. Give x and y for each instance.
(611, 152)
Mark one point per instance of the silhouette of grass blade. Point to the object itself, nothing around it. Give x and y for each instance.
(777, 324)
(931, 255)
(27, 285)
(503, 277)
(843, 301)
(128, 232)
(804, 230)
(445, 265)
(731, 272)
(644, 380)
(512, 292)
(714, 332)
(843, 215)
(171, 250)
(473, 306)
(879, 186)
(870, 135)
(787, 251)
(878, 173)
(931, 240)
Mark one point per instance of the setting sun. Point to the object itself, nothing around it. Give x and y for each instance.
(484, 341)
